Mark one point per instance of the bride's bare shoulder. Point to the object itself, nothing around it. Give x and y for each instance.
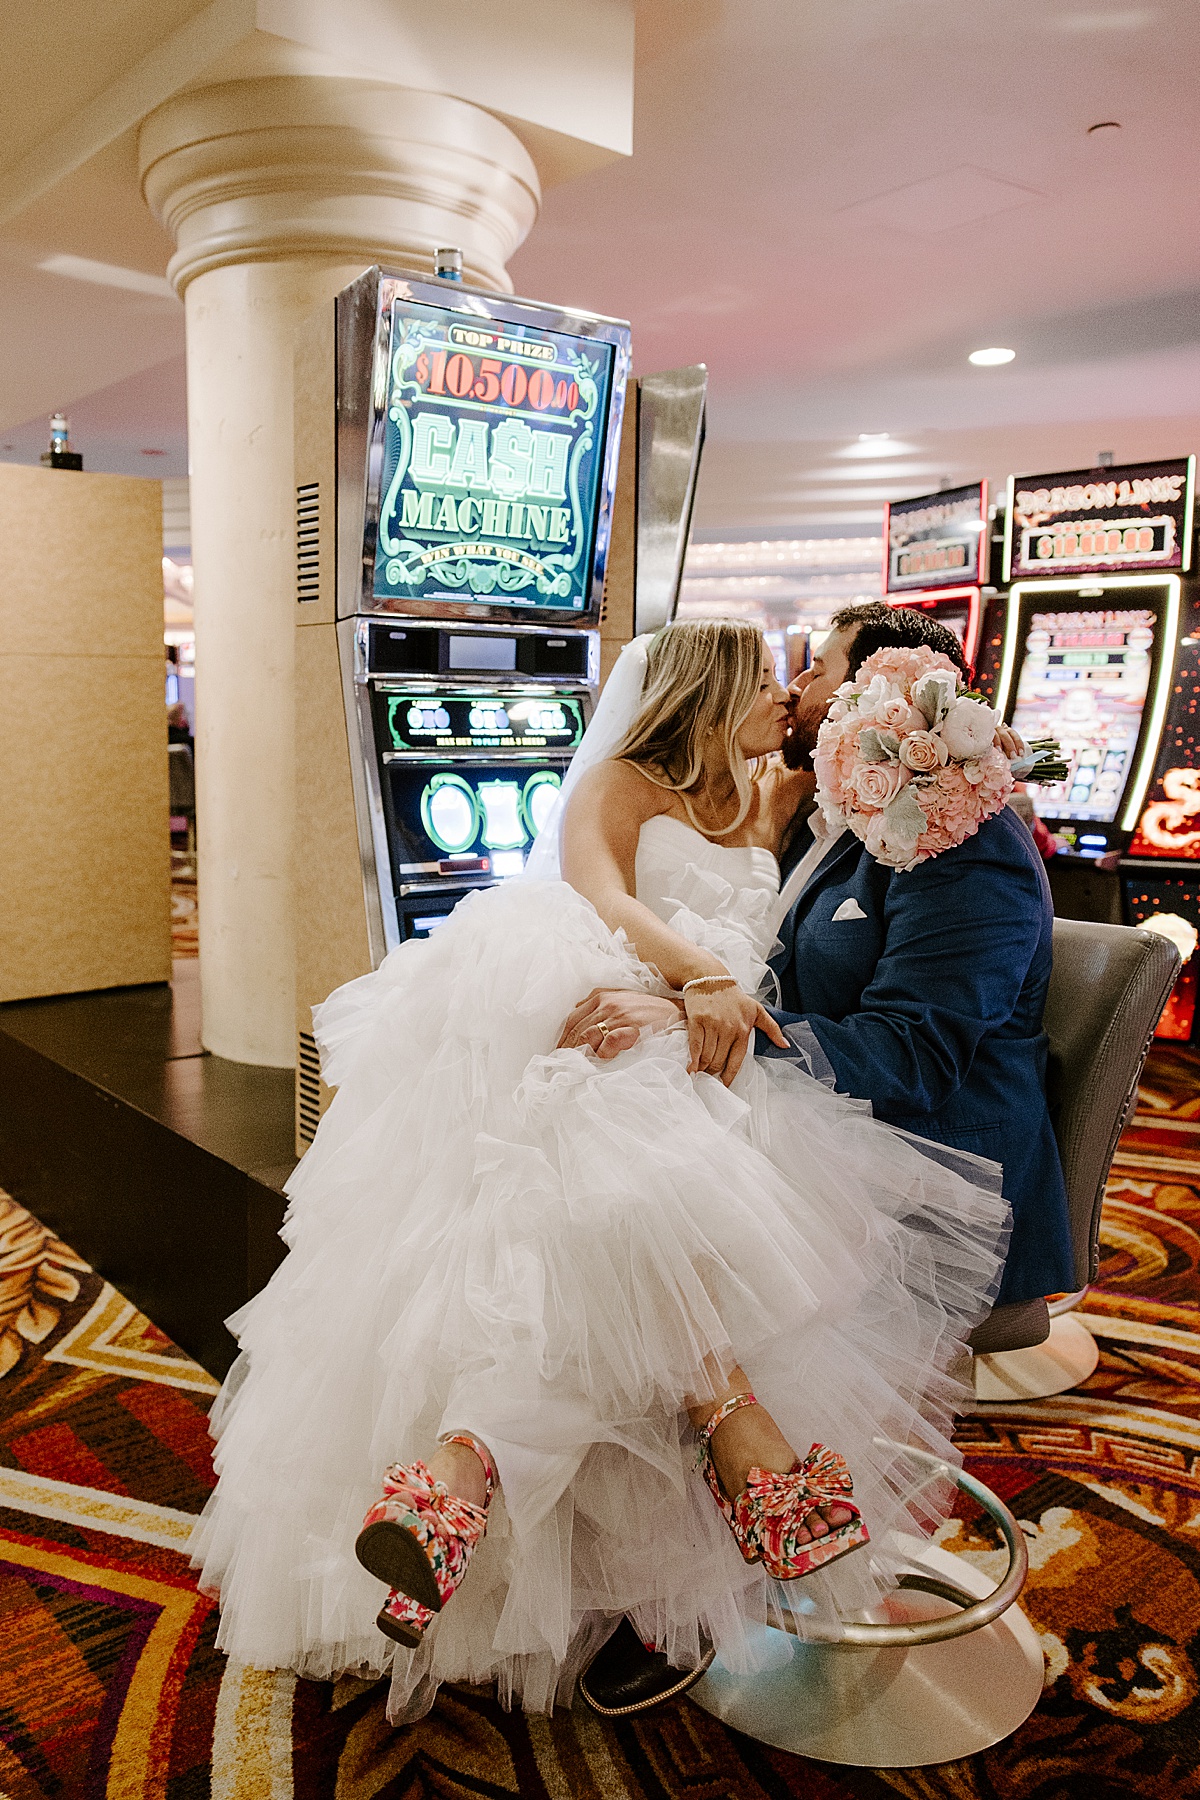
(620, 786)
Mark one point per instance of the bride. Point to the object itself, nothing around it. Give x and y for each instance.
(610, 1302)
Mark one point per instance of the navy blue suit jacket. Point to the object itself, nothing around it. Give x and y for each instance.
(930, 1006)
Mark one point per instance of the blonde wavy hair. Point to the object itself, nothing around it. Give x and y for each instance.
(702, 678)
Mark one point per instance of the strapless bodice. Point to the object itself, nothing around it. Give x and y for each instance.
(721, 896)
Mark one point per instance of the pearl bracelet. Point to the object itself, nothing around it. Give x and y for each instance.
(704, 983)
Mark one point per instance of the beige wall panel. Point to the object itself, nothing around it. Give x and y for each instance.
(315, 424)
(80, 563)
(616, 619)
(331, 921)
(84, 845)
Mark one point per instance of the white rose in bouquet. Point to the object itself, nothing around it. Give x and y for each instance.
(875, 696)
(968, 730)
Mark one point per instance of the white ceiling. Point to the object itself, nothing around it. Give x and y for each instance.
(828, 203)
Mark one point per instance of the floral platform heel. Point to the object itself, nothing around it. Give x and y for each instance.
(772, 1508)
(419, 1538)
(405, 1621)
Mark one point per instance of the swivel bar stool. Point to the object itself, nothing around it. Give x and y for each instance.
(948, 1664)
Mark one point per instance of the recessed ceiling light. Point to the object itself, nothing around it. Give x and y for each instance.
(873, 437)
(990, 359)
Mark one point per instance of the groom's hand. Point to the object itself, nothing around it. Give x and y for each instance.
(613, 1019)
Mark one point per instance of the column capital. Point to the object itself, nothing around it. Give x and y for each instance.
(343, 170)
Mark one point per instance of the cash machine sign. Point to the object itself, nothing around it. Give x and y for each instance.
(493, 455)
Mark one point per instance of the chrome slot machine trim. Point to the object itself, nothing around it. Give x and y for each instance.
(383, 933)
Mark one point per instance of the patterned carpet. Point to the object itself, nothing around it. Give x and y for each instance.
(110, 1688)
(185, 919)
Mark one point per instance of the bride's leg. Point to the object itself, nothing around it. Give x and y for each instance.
(750, 1439)
(462, 1471)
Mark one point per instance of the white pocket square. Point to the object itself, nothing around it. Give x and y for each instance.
(849, 909)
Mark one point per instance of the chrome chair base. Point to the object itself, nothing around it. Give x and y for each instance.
(894, 1707)
(1068, 1356)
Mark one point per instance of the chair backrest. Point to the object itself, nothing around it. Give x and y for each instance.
(1108, 986)
(182, 780)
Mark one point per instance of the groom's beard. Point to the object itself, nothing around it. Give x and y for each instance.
(800, 743)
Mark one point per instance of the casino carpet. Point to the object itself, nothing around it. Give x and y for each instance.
(185, 918)
(111, 1689)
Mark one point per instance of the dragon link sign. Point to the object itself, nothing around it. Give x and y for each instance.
(937, 540)
(1098, 521)
(492, 459)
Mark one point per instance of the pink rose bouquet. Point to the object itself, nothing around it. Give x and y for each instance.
(908, 758)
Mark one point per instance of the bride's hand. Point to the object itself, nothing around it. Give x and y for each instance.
(610, 1020)
(720, 1028)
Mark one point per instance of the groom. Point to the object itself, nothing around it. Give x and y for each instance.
(924, 992)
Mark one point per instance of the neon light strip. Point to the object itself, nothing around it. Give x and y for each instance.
(983, 562)
(1166, 675)
(974, 617)
(1008, 528)
(1189, 513)
(1010, 652)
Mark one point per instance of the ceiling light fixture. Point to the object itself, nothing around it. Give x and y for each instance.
(83, 268)
(873, 437)
(991, 359)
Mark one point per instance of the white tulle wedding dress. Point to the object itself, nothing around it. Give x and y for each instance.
(489, 1234)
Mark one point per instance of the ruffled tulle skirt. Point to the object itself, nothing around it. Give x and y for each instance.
(549, 1251)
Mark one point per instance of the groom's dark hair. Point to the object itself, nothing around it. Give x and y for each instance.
(883, 627)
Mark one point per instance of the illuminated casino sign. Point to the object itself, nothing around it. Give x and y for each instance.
(1097, 521)
(936, 540)
(421, 724)
(493, 461)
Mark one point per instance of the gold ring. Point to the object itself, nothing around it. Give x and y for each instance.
(603, 1029)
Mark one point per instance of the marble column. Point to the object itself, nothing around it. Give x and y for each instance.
(277, 192)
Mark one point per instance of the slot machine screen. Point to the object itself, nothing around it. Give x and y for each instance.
(1084, 675)
(492, 480)
(956, 615)
(960, 612)
(467, 819)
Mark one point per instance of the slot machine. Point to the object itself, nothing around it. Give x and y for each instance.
(1160, 872)
(477, 536)
(1096, 654)
(935, 559)
(791, 648)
